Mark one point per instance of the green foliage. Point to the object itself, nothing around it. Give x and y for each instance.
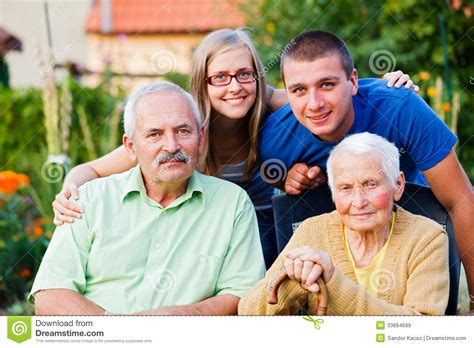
(23, 241)
(182, 80)
(22, 134)
(26, 215)
(21, 127)
(410, 30)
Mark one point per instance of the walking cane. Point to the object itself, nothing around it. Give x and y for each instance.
(272, 297)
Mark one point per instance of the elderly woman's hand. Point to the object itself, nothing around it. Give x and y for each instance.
(306, 265)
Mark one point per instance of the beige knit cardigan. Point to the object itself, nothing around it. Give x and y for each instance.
(414, 278)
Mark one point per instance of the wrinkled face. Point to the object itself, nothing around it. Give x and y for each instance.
(166, 141)
(362, 193)
(236, 99)
(321, 95)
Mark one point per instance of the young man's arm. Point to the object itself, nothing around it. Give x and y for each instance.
(452, 188)
(64, 302)
(218, 305)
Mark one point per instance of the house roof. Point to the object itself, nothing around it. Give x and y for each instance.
(166, 16)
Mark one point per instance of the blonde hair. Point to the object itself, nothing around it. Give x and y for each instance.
(219, 42)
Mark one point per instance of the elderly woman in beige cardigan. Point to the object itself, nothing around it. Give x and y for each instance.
(374, 257)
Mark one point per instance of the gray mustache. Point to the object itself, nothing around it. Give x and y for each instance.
(166, 157)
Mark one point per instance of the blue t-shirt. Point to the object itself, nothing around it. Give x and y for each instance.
(399, 115)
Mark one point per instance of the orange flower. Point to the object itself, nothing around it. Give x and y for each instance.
(446, 107)
(467, 11)
(23, 179)
(25, 273)
(431, 91)
(267, 40)
(2, 202)
(8, 183)
(37, 231)
(11, 181)
(424, 75)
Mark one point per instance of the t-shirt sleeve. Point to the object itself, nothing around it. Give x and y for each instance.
(426, 137)
(243, 266)
(64, 263)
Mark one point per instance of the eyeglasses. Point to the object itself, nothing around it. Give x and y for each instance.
(224, 79)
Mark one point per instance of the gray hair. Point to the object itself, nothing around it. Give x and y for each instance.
(367, 144)
(129, 111)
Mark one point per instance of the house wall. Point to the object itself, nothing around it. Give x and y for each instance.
(155, 54)
(26, 20)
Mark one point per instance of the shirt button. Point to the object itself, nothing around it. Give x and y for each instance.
(202, 259)
(157, 245)
(140, 307)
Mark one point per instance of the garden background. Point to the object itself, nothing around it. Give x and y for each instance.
(46, 131)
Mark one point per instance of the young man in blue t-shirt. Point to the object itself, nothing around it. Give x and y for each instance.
(328, 103)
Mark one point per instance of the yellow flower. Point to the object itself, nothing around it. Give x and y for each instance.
(431, 91)
(48, 234)
(270, 27)
(424, 75)
(446, 107)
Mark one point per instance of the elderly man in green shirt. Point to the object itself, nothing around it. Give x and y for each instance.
(161, 238)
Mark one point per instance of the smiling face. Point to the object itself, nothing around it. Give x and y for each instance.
(166, 141)
(236, 99)
(362, 192)
(320, 95)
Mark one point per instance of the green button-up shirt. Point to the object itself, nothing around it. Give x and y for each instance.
(130, 254)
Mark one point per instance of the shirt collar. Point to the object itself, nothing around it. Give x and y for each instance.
(135, 184)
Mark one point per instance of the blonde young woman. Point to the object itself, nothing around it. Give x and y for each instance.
(228, 83)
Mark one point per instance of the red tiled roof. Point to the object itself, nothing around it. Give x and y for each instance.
(167, 16)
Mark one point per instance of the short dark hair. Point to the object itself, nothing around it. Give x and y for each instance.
(316, 44)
